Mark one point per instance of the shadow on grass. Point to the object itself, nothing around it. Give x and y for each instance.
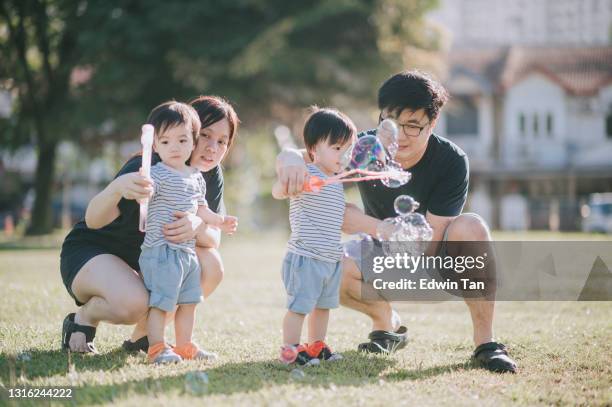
(48, 363)
(357, 369)
(420, 373)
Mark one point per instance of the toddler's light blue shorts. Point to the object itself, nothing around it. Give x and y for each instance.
(311, 283)
(172, 276)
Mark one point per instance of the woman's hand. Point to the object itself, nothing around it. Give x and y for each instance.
(183, 229)
(133, 186)
(103, 209)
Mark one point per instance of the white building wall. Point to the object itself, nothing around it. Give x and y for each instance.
(587, 128)
(535, 96)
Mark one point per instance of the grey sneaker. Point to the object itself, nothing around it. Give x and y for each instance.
(167, 356)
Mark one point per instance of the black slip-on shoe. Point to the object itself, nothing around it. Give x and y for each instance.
(493, 356)
(141, 344)
(385, 341)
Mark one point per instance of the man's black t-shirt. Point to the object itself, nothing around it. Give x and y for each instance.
(121, 237)
(439, 183)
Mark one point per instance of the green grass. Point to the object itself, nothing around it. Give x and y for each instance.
(563, 349)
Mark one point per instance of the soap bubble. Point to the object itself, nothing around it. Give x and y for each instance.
(297, 374)
(405, 204)
(368, 149)
(387, 133)
(399, 176)
(24, 357)
(196, 383)
(357, 249)
(388, 229)
(288, 354)
(407, 233)
(345, 159)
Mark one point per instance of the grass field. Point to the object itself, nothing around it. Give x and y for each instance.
(564, 350)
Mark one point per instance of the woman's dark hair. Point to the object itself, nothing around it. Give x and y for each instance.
(412, 90)
(173, 113)
(327, 125)
(212, 109)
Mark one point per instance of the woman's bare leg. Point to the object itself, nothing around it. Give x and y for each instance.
(212, 269)
(112, 292)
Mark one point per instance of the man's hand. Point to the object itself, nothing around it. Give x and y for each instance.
(183, 229)
(355, 221)
(291, 172)
(229, 225)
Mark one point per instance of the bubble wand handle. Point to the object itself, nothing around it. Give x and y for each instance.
(147, 149)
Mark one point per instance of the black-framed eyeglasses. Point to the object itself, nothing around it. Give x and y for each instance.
(409, 130)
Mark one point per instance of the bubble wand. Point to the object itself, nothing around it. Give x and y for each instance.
(147, 146)
(314, 183)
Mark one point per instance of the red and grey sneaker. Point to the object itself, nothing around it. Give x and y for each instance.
(304, 357)
(320, 350)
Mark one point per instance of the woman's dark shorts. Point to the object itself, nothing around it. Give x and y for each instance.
(73, 257)
(75, 253)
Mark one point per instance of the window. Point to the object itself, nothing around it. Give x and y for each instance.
(549, 125)
(462, 117)
(522, 124)
(536, 125)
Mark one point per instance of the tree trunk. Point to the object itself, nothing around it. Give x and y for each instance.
(42, 220)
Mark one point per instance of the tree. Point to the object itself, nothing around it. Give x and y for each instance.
(260, 54)
(38, 47)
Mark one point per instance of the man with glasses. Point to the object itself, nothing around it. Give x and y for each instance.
(440, 175)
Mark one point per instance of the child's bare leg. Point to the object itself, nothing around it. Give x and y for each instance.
(140, 329)
(184, 320)
(292, 328)
(317, 325)
(156, 325)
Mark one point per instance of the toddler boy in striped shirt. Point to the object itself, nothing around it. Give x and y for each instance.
(171, 271)
(312, 267)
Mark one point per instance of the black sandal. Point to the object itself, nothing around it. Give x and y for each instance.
(69, 327)
(141, 344)
(385, 342)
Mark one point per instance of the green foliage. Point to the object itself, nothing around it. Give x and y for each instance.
(256, 53)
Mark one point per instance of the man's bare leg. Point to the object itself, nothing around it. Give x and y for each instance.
(350, 296)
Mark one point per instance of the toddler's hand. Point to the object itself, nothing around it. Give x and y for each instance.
(229, 225)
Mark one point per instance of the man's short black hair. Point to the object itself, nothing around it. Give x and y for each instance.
(412, 90)
(171, 114)
(327, 125)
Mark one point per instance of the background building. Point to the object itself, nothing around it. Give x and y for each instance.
(531, 105)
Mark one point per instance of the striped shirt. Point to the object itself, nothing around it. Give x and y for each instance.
(173, 191)
(316, 221)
